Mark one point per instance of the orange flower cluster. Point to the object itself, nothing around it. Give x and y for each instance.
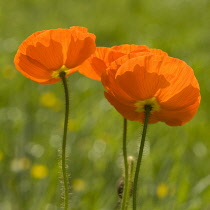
(133, 75)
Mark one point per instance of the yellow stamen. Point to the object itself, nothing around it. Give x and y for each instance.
(151, 101)
(56, 73)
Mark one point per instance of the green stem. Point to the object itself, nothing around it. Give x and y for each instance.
(125, 196)
(63, 165)
(148, 109)
(131, 169)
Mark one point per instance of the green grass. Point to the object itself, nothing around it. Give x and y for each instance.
(178, 157)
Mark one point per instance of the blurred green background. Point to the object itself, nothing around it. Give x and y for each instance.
(175, 172)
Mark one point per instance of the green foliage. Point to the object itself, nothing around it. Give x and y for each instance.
(176, 159)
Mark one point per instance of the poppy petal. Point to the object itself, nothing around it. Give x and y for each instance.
(112, 87)
(158, 52)
(47, 49)
(182, 82)
(97, 63)
(80, 47)
(127, 111)
(22, 48)
(184, 98)
(178, 117)
(129, 48)
(31, 68)
(136, 81)
(79, 28)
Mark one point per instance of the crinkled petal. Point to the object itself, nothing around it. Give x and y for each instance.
(158, 52)
(80, 47)
(183, 84)
(92, 68)
(29, 41)
(97, 63)
(112, 87)
(32, 69)
(79, 28)
(178, 117)
(127, 111)
(139, 77)
(182, 99)
(47, 49)
(130, 48)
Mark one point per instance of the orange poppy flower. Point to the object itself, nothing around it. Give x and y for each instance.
(97, 63)
(152, 78)
(44, 54)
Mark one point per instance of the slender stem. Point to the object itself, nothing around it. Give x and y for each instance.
(146, 119)
(131, 169)
(125, 188)
(63, 165)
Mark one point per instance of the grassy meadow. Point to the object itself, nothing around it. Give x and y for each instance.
(175, 172)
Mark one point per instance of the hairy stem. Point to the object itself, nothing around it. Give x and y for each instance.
(125, 196)
(146, 119)
(63, 165)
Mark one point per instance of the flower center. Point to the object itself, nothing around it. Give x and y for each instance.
(140, 105)
(56, 73)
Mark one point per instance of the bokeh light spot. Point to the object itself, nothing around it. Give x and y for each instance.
(49, 99)
(20, 164)
(199, 149)
(78, 185)
(162, 190)
(39, 171)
